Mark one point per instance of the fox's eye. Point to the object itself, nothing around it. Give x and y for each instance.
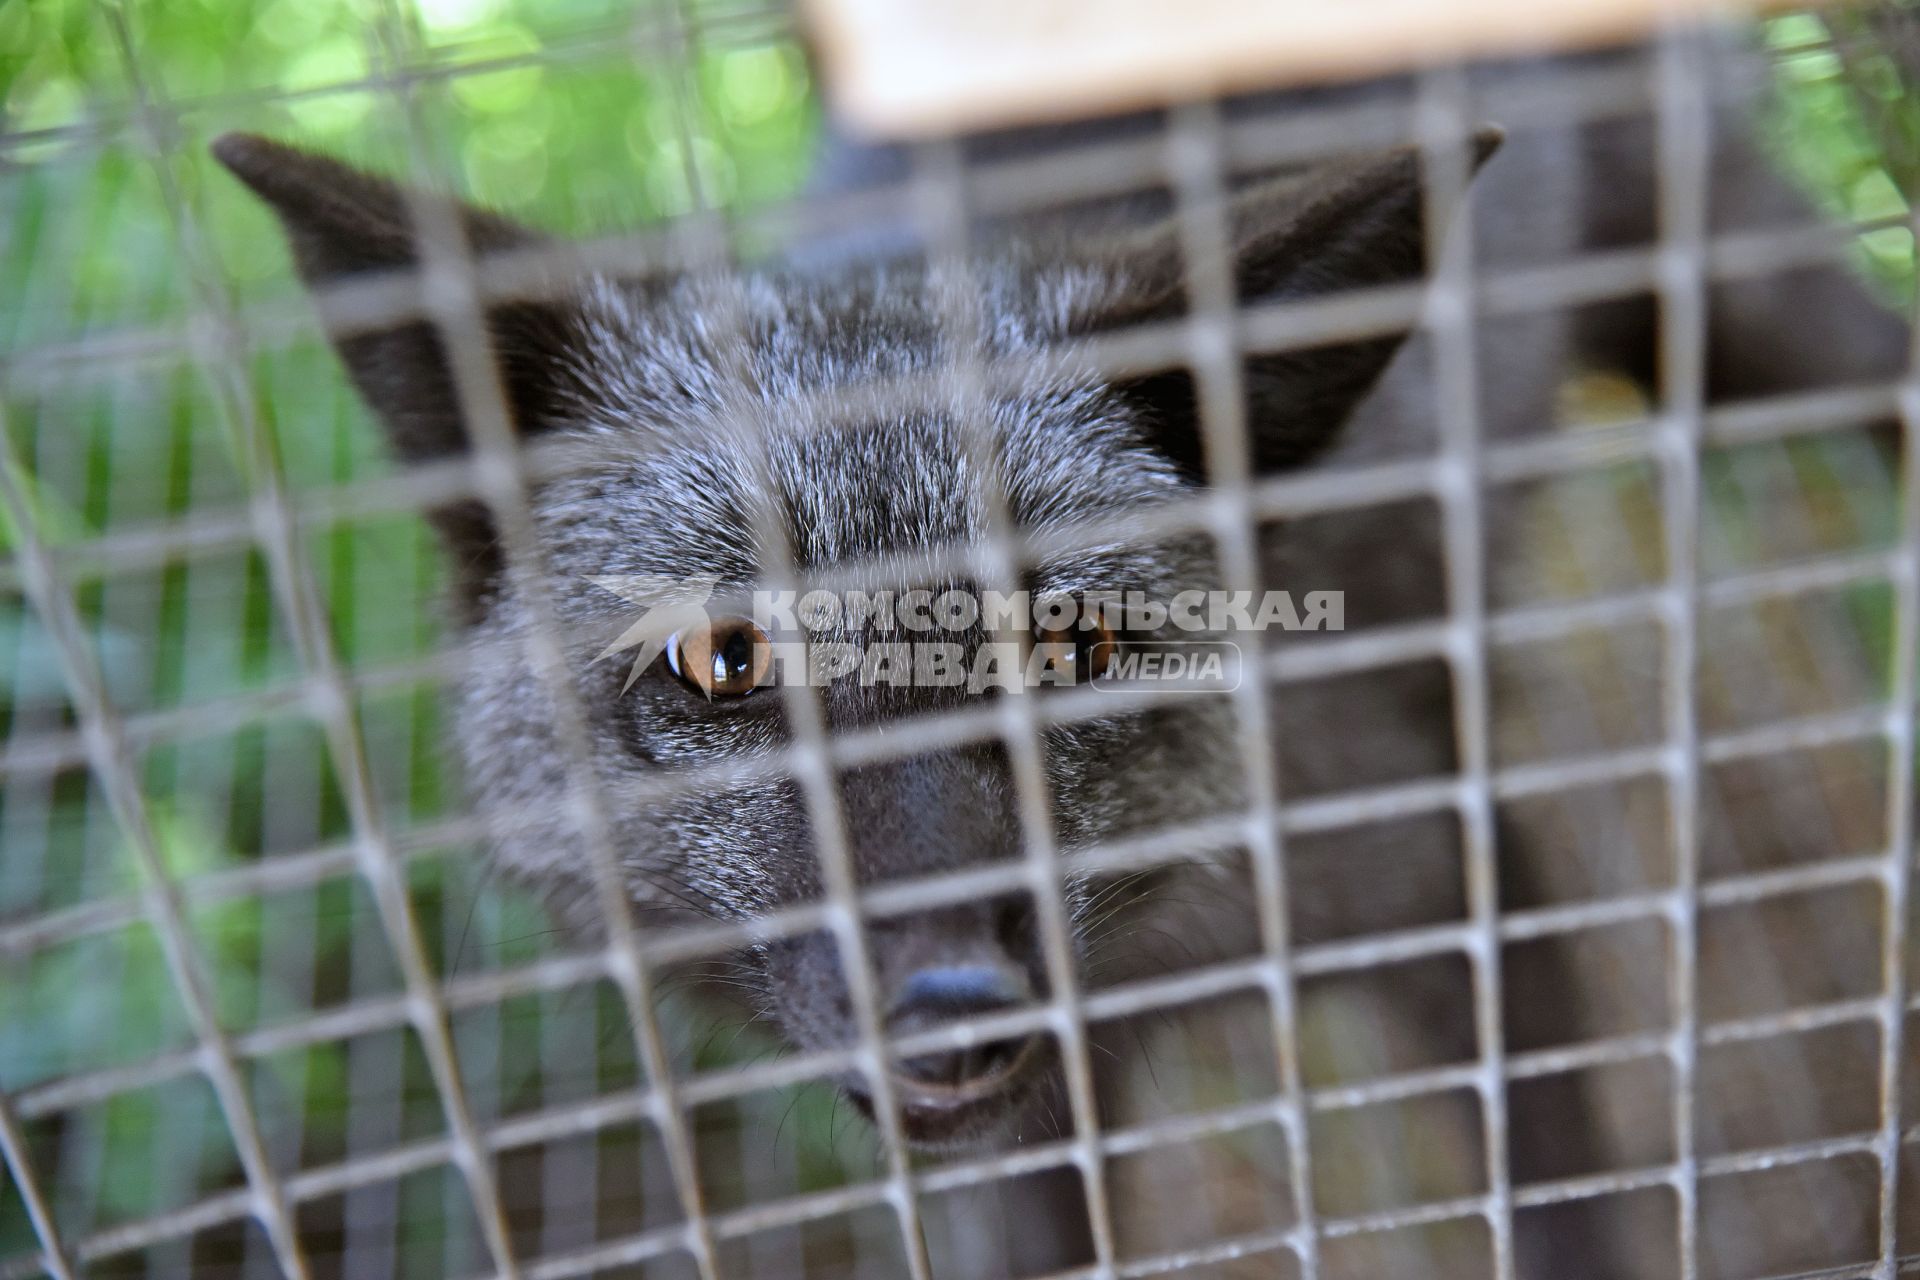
(727, 658)
(1076, 652)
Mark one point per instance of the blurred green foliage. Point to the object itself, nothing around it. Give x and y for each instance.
(1843, 122)
(578, 115)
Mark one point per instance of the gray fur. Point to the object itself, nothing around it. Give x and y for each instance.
(670, 495)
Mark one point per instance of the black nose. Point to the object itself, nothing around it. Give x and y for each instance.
(958, 990)
(932, 996)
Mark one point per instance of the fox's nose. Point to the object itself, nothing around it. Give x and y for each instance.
(939, 994)
(959, 990)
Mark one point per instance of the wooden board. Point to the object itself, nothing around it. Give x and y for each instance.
(907, 68)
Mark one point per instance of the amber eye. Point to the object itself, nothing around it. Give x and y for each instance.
(727, 658)
(1082, 650)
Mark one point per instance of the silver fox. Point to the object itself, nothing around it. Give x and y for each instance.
(649, 385)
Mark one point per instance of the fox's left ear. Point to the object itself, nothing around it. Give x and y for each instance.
(1333, 228)
(342, 223)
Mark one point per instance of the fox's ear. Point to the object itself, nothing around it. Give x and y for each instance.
(1335, 227)
(342, 223)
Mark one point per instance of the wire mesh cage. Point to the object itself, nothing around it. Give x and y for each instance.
(396, 879)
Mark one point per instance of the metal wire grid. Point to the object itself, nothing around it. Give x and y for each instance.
(1190, 158)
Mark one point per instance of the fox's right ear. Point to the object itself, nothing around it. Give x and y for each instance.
(342, 223)
(1341, 226)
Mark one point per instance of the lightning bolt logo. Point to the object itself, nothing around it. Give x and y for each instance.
(667, 607)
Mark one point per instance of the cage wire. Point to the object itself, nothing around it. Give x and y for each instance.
(267, 1011)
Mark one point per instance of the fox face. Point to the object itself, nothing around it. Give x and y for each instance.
(717, 430)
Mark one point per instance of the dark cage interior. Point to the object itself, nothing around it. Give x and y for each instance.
(560, 713)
